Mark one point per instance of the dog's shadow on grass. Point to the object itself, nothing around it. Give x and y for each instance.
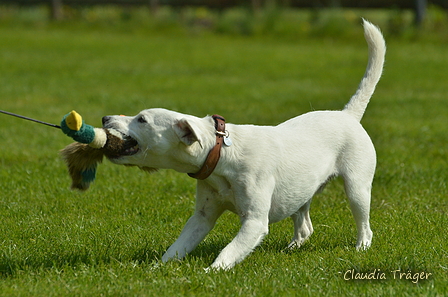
(205, 253)
(10, 267)
(208, 251)
(60, 260)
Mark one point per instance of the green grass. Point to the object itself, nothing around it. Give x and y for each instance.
(109, 240)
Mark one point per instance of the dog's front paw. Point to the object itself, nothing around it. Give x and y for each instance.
(220, 265)
(363, 246)
(172, 254)
(295, 244)
(166, 258)
(212, 269)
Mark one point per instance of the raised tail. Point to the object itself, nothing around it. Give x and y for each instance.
(377, 49)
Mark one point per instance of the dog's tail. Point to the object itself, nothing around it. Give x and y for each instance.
(377, 49)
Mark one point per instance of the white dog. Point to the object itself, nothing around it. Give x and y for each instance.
(262, 173)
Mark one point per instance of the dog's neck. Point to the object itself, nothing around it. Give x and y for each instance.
(215, 153)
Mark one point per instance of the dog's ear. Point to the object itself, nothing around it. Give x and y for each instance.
(187, 132)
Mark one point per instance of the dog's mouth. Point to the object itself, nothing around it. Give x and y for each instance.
(119, 145)
(130, 147)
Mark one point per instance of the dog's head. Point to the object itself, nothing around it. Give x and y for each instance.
(159, 138)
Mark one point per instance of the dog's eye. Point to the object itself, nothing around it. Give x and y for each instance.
(141, 119)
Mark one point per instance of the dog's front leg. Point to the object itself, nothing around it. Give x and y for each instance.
(252, 232)
(198, 226)
(253, 205)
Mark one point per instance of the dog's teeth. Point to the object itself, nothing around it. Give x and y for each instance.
(131, 150)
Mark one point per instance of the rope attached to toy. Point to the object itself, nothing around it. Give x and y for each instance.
(29, 119)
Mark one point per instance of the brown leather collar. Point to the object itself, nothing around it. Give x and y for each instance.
(215, 152)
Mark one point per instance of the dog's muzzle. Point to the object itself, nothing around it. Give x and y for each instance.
(119, 145)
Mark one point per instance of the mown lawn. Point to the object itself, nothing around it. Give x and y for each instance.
(109, 240)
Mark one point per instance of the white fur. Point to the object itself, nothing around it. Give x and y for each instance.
(269, 173)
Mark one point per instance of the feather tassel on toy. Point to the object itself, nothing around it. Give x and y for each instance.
(82, 157)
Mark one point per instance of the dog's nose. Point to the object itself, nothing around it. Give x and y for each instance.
(105, 120)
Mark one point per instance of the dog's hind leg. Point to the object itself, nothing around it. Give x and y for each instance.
(303, 228)
(358, 186)
(359, 197)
